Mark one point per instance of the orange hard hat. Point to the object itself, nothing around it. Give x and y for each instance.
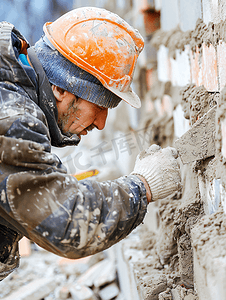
(101, 43)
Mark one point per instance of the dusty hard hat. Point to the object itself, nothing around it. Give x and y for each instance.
(101, 43)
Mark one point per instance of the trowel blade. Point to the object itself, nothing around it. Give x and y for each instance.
(199, 141)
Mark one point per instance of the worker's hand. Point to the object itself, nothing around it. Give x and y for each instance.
(160, 168)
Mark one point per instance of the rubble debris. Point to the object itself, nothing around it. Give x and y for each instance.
(82, 292)
(109, 292)
(35, 290)
(165, 271)
(166, 295)
(81, 279)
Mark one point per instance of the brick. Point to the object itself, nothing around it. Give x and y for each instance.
(209, 68)
(211, 11)
(146, 5)
(195, 67)
(181, 125)
(223, 135)
(107, 275)
(180, 68)
(163, 64)
(158, 107)
(150, 78)
(167, 105)
(151, 219)
(169, 14)
(204, 68)
(190, 11)
(109, 292)
(158, 5)
(101, 273)
(151, 21)
(221, 58)
(34, 290)
(82, 292)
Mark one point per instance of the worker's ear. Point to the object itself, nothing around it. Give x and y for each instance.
(59, 93)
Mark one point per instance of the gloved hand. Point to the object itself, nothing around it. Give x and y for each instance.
(160, 169)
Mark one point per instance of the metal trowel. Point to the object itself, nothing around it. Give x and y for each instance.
(199, 141)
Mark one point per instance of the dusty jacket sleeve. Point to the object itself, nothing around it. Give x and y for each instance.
(67, 217)
(72, 218)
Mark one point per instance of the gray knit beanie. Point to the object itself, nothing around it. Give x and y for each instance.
(64, 74)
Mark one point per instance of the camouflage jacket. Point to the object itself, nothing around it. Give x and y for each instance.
(39, 199)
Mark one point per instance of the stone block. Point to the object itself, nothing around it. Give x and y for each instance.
(169, 14)
(190, 11)
(180, 68)
(35, 290)
(221, 58)
(204, 68)
(163, 64)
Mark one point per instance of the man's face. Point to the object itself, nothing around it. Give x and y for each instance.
(76, 115)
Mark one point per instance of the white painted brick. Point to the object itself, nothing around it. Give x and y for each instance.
(158, 5)
(169, 14)
(181, 125)
(180, 68)
(190, 11)
(223, 135)
(163, 64)
(211, 11)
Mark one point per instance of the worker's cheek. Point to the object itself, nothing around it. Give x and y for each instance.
(78, 128)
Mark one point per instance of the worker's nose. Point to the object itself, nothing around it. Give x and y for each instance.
(101, 119)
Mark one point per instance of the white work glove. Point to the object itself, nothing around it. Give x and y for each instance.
(160, 169)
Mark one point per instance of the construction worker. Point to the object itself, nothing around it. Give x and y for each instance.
(52, 94)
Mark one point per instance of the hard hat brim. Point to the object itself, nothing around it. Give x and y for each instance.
(130, 97)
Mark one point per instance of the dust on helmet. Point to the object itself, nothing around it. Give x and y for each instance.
(101, 43)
